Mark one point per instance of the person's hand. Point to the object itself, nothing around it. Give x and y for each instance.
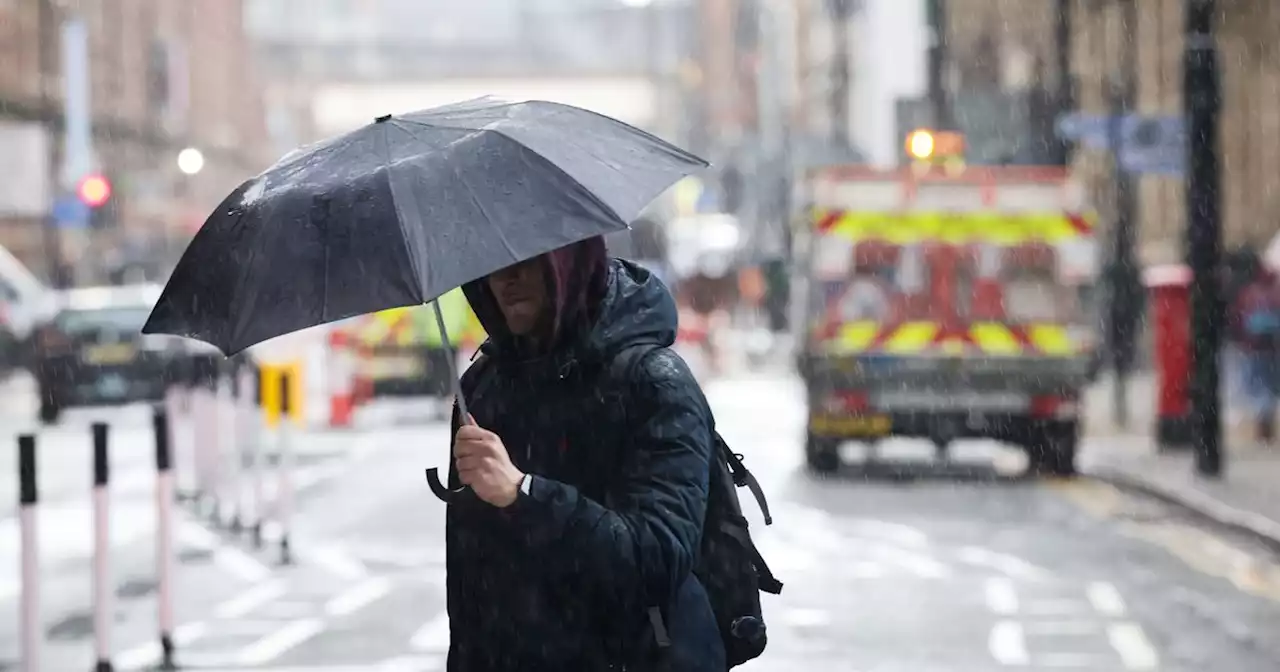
(483, 464)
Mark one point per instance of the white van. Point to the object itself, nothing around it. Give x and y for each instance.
(25, 301)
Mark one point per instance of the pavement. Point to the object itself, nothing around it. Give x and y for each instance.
(1246, 497)
(965, 566)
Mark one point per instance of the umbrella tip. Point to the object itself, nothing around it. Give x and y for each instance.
(379, 120)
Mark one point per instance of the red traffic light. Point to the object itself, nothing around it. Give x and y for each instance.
(94, 190)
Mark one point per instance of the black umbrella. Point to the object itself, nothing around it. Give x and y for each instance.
(405, 209)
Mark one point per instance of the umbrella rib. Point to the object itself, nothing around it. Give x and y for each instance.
(472, 195)
(573, 180)
(252, 299)
(404, 233)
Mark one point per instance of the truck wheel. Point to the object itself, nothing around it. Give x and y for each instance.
(822, 455)
(1053, 453)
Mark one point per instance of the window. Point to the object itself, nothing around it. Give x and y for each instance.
(111, 320)
(867, 298)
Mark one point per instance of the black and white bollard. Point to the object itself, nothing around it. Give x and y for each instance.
(206, 436)
(102, 585)
(284, 466)
(164, 536)
(27, 500)
(175, 403)
(251, 449)
(228, 447)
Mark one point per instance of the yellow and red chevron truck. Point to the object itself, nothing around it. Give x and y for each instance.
(944, 305)
(401, 352)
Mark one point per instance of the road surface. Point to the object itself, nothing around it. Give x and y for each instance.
(955, 567)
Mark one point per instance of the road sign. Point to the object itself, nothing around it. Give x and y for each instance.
(1148, 144)
(70, 212)
(1091, 130)
(1155, 145)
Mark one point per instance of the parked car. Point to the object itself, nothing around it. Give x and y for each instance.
(92, 352)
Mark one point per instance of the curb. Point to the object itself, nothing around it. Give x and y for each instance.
(1257, 526)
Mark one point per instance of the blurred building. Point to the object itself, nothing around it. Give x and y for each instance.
(164, 76)
(1005, 44)
(332, 66)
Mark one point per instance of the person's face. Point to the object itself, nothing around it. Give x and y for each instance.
(521, 293)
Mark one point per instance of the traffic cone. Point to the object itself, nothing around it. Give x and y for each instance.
(342, 379)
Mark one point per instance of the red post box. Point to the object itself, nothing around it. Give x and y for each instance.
(1170, 319)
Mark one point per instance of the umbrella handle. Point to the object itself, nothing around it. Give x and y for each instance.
(439, 490)
(433, 475)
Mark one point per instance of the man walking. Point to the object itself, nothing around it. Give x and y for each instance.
(590, 481)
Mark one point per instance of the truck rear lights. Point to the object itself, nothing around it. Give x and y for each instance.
(1053, 407)
(846, 402)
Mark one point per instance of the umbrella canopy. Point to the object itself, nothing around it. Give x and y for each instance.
(404, 209)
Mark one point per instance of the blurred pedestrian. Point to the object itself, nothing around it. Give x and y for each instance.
(710, 293)
(582, 520)
(1255, 321)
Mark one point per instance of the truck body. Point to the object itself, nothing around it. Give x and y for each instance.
(401, 352)
(947, 305)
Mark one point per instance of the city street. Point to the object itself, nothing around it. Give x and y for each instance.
(963, 567)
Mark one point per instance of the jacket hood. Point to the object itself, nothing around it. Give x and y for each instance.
(601, 305)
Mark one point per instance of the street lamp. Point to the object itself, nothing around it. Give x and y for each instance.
(190, 161)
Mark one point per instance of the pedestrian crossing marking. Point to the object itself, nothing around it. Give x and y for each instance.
(274, 645)
(249, 600)
(1131, 643)
(434, 636)
(358, 597)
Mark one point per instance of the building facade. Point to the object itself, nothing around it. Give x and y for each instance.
(163, 76)
(1010, 44)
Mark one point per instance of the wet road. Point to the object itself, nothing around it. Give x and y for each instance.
(960, 569)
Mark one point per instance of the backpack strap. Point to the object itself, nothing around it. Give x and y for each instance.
(764, 576)
(744, 478)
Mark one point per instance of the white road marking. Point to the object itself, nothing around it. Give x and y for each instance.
(784, 557)
(918, 563)
(1106, 599)
(147, 655)
(1002, 598)
(1009, 565)
(433, 636)
(277, 643)
(806, 618)
(197, 536)
(424, 557)
(1007, 643)
(358, 597)
(1068, 661)
(1056, 607)
(400, 664)
(249, 600)
(1062, 628)
(895, 532)
(865, 570)
(241, 564)
(1136, 651)
(406, 664)
(338, 562)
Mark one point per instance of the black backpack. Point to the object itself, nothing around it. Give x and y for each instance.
(729, 566)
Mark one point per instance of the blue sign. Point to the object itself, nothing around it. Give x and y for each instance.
(1156, 145)
(70, 212)
(1091, 130)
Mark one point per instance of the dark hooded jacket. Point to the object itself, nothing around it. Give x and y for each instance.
(562, 579)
